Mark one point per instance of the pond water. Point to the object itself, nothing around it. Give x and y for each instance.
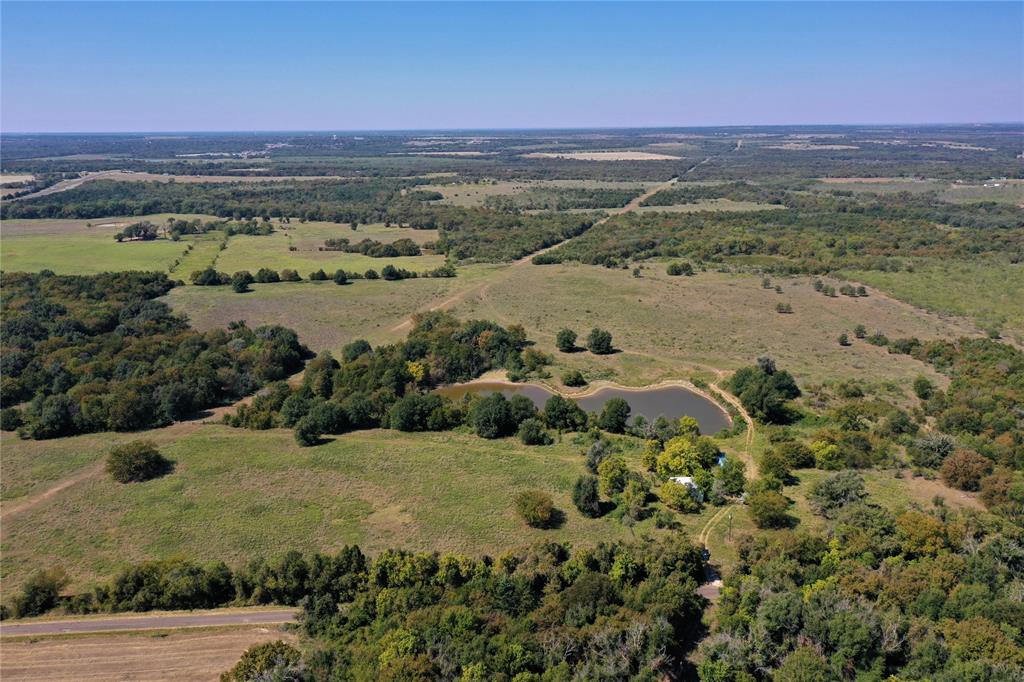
(669, 401)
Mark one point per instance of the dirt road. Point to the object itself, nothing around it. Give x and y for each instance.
(151, 621)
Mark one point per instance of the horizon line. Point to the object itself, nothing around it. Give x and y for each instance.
(936, 124)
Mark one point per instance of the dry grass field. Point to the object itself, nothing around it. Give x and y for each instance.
(179, 656)
(235, 494)
(671, 327)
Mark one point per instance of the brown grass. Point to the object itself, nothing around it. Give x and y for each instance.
(177, 656)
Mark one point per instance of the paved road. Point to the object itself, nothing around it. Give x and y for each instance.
(148, 622)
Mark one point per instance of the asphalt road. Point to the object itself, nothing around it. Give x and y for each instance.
(136, 621)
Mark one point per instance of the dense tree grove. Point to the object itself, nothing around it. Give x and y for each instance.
(914, 595)
(374, 248)
(562, 199)
(613, 611)
(97, 353)
(815, 233)
(390, 385)
(764, 391)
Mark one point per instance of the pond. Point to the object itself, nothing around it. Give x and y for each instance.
(669, 401)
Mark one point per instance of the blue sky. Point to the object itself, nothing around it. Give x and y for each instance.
(90, 66)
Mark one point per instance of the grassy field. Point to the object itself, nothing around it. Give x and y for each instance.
(672, 327)
(991, 292)
(235, 494)
(198, 655)
(83, 247)
(325, 315)
(273, 251)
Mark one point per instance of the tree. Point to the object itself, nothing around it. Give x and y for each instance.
(241, 280)
(803, 665)
(318, 276)
(491, 417)
(536, 508)
(932, 449)
(340, 277)
(831, 494)
(964, 469)
(612, 475)
(261, 660)
(289, 275)
(860, 331)
(844, 340)
(599, 341)
(306, 432)
(768, 509)
(773, 463)
(564, 414)
(136, 461)
(40, 593)
(586, 497)
(565, 340)
(531, 432)
(732, 475)
(680, 497)
(267, 276)
(614, 416)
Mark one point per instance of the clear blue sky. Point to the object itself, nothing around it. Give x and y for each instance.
(91, 66)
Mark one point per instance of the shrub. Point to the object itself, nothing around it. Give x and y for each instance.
(289, 275)
(931, 450)
(768, 509)
(40, 593)
(798, 455)
(306, 432)
(964, 469)
(261, 661)
(683, 268)
(773, 463)
(340, 277)
(599, 341)
(586, 497)
(565, 340)
(536, 508)
(318, 276)
(923, 387)
(531, 432)
(136, 461)
(844, 340)
(267, 276)
(831, 494)
(10, 419)
(574, 377)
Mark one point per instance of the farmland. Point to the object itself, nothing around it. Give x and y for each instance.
(874, 293)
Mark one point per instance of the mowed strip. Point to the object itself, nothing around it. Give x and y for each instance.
(150, 621)
(141, 657)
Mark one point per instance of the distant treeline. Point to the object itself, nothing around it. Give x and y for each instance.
(562, 199)
(373, 248)
(815, 233)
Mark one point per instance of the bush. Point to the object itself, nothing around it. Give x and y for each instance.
(768, 509)
(612, 475)
(136, 461)
(931, 450)
(40, 593)
(586, 497)
(318, 276)
(241, 280)
(306, 432)
(289, 275)
(964, 469)
(267, 276)
(599, 341)
(844, 340)
(564, 414)
(340, 277)
(683, 268)
(829, 495)
(531, 432)
(10, 419)
(260, 661)
(574, 377)
(923, 387)
(565, 340)
(536, 508)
